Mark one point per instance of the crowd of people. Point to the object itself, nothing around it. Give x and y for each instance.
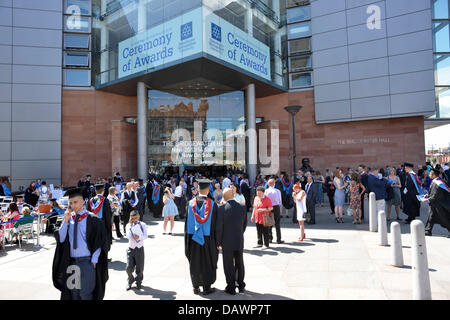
(215, 215)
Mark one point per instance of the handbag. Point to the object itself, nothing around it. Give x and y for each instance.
(268, 220)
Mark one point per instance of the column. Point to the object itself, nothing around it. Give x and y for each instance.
(142, 106)
(251, 132)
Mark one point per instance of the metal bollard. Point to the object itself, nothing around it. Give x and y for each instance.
(396, 245)
(38, 231)
(420, 272)
(372, 213)
(382, 229)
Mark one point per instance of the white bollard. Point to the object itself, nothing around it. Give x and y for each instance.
(38, 231)
(382, 229)
(396, 245)
(420, 272)
(372, 213)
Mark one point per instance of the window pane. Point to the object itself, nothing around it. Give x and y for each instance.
(440, 9)
(299, 63)
(77, 24)
(300, 80)
(77, 41)
(77, 77)
(300, 45)
(299, 30)
(294, 3)
(298, 14)
(81, 7)
(442, 69)
(443, 100)
(441, 36)
(76, 59)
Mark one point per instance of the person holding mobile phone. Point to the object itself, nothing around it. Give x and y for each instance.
(80, 266)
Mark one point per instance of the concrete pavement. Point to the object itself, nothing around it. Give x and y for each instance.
(336, 261)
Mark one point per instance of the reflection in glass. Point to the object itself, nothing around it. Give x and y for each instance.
(83, 5)
(441, 36)
(76, 59)
(168, 112)
(443, 101)
(80, 24)
(298, 14)
(441, 9)
(442, 69)
(300, 62)
(299, 45)
(73, 77)
(299, 30)
(300, 80)
(76, 41)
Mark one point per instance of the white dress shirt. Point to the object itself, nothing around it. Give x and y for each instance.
(178, 191)
(137, 230)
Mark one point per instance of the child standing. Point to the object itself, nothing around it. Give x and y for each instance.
(136, 234)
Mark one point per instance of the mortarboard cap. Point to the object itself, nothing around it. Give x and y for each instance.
(74, 192)
(407, 164)
(203, 183)
(99, 186)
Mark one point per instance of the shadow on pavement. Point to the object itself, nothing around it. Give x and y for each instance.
(117, 265)
(261, 252)
(155, 293)
(409, 268)
(323, 240)
(247, 295)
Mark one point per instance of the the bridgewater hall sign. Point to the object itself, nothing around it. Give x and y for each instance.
(191, 34)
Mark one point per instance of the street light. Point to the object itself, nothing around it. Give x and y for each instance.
(293, 111)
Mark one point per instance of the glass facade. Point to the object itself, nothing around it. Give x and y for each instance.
(117, 23)
(298, 19)
(77, 39)
(203, 125)
(441, 47)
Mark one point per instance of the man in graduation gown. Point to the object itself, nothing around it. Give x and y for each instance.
(245, 189)
(100, 206)
(80, 266)
(439, 200)
(201, 246)
(129, 201)
(157, 200)
(148, 194)
(412, 189)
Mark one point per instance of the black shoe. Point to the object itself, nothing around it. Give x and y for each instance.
(337, 220)
(196, 291)
(280, 242)
(242, 290)
(231, 291)
(139, 286)
(266, 246)
(208, 291)
(170, 233)
(120, 236)
(342, 220)
(128, 286)
(428, 234)
(258, 245)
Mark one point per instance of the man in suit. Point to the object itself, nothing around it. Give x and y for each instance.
(311, 195)
(365, 181)
(231, 225)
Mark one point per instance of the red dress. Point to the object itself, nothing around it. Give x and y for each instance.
(12, 216)
(258, 203)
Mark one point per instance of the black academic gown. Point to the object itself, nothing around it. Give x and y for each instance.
(96, 238)
(107, 220)
(148, 192)
(202, 259)
(411, 204)
(439, 200)
(157, 207)
(245, 190)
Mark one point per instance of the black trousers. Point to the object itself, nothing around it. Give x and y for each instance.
(430, 224)
(233, 266)
(277, 217)
(135, 261)
(331, 198)
(181, 205)
(311, 209)
(117, 225)
(263, 233)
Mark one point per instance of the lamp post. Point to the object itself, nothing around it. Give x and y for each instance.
(293, 111)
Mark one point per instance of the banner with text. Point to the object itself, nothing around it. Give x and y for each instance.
(223, 40)
(173, 40)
